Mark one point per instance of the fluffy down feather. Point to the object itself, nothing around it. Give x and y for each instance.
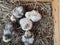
(33, 15)
(7, 33)
(28, 41)
(26, 24)
(18, 12)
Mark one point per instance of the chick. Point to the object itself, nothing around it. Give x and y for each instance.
(7, 33)
(28, 38)
(17, 13)
(26, 24)
(33, 15)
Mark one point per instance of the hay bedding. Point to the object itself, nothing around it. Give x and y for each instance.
(43, 29)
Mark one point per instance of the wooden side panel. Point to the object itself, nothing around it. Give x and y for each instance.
(36, 0)
(59, 22)
(56, 21)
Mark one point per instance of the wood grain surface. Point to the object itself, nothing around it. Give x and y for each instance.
(36, 0)
(56, 21)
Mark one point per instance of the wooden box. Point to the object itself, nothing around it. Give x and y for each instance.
(55, 13)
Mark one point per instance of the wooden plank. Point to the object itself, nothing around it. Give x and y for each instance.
(56, 21)
(59, 22)
(35, 0)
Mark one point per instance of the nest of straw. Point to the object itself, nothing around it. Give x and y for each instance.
(43, 29)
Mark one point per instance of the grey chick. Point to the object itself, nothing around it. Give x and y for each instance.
(26, 24)
(28, 38)
(7, 33)
(33, 15)
(17, 13)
